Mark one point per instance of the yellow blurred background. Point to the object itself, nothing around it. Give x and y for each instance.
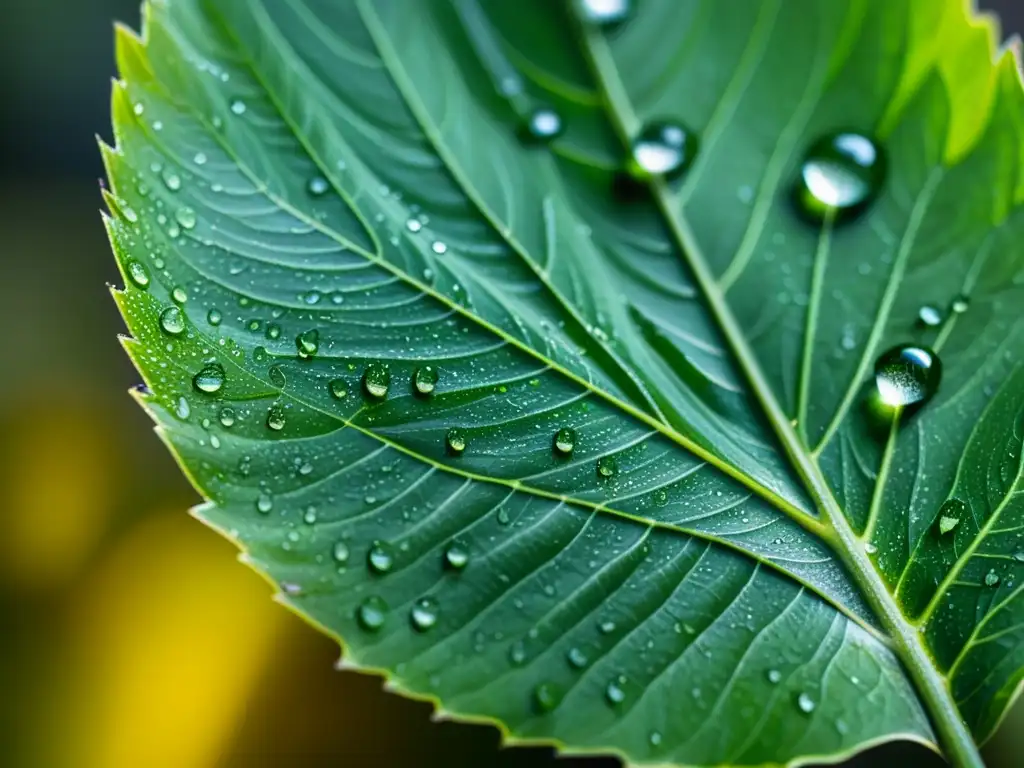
(132, 638)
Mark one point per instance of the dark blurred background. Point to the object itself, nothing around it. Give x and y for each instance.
(131, 638)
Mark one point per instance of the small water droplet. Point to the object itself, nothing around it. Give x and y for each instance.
(907, 375)
(565, 441)
(172, 321)
(517, 653)
(179, 295)
(960, 304)
(604, 12)
(414, 225)
(456, 556)
(841, 173)
(214, 317)
(264, 503)
(238, 107)
(380, 557)
(340, 552)
(138, 273)
(503, 516)
(950, 513)
(339, 389)
(606, 627)
(199, 158)
(662, 149)
(274, 373)
(805, 703)
(774, 676)
(439, 248)
(209, 379)
(423, 614)
(425, 379)
(455, 439)
(376, 380)
(929, 316)
(372, 614)
(577, 658)
(614, 692)
(182, 410)
(171, 180)
(660, 497)
(275, 418)
(546, 697)
(870, 548)
(308, 342)
(607, 466)
(273, 331)
(543, 124)
(227, 417)
(1019, 555)
(317, 186)
(991, 578)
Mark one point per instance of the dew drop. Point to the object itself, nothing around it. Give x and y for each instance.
(456, 557)
(543, 125)
(308, 342)
(614, 693)
(774, 676)
(182, 410)
(339, 389)
(907, 375)
(264, 503)
(380, 557)
(276, 375)
(565, 441)
(841, 173)
(577, 658)
(517, 653)
(654, 738)
(503, 516)
(340, 552)
(805, 703)
(199, 158)
(238, 107)
(209, 379)
(607, 466)
(275, 418)
(870, 548)
(138, 273)
(172, 321)
(273, 331)
(172, 180)
(662, 149)
(423, 614)
(929, 316)
(424, 379)
(317, 186)
(960, 304)
(376, 380)
(604, 12)
(950, 514)
(372, 614)
(455, 440)
(546, 697)
(214, 317)
(227, 417)
(991, 578)
(179, 295)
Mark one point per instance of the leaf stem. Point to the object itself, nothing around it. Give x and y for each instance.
(954, 735)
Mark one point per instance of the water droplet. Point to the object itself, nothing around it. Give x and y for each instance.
(210, 379)
(607, 466)
(960, 304)
(1019, 555)
(543, 125)
(805, 703)
(276, 375)
(654, 738)
(339, 389)
(172, 321)
(456, 556)
(182, 410)
(308, 342)
(199, 158)
(317, 186)
(842, 172)
(414, 225)
(238, 107)
(604, 12)
(456, 441)
(517, 653)
(950, 514)
(662, 149)
(227, 417)
(991, 578)
(179, 295)
(565, 441)
(340, 552)
(503, 516)
(947, 524)
(929, 316)
(425, 379)
(273, 331)
(372, 614)
(376, 380)
(214, 317)
(774, 676)
(870, 548)
(264, 503)
(275, 418)
(138, 273)
(660, 497)
(423, 614)
(907, 375)
(186, 217)
(614, 692)
(546, 697)
(577, 658)
(380, 557)
(606, 627)
(439, 248)
(172, 180)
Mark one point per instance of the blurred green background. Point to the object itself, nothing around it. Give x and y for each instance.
(132, 638)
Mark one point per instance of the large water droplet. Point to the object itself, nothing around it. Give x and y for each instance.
(275, 418)
(425, 379)
(604, 12)
(210, 379)
(456, 441)
(907, 375)
(546, 697)
(308, 342)
(456, 556)
(372, 614)
(662, 149)
(543, 125)
(423, 614)
(607, 466)
(172, 321)
(842, 172)
(380, 557)
(138, 273)
(565, 441)
(376, 380)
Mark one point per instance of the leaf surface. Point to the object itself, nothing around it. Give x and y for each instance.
(321, 191)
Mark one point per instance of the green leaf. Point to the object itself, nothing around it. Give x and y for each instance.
(608, 471)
